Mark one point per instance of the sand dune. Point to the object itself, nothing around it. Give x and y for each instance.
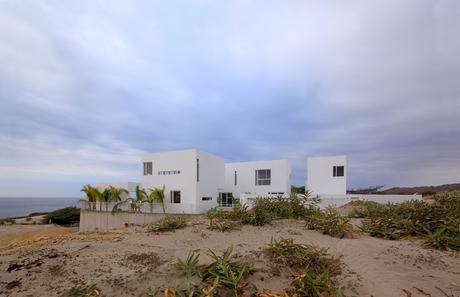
(126, 262)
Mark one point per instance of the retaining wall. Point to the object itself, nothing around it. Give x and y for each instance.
(104, 220)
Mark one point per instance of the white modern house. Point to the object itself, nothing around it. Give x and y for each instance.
(196, 181)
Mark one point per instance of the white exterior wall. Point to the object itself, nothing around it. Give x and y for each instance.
(320, 175)
(280, 177)
(211, 178)
(212, 181)
(185, 182)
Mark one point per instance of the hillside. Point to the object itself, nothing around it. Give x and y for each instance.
(424, 190)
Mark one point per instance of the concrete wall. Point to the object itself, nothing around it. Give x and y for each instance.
(280, 178)
(101, 220)
(320, 179)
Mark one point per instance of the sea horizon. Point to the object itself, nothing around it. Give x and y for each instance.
(23, 206)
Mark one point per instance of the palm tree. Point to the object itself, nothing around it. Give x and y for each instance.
(93, 195)
(115, 195)
(157, 195)
(141, 197)
(106, 197)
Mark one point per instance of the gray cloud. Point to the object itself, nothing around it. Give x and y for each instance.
(85, 89)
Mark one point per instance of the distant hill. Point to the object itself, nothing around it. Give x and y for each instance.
(424, 190)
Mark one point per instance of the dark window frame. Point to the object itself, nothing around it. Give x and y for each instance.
(338, 171)
(173, 197)
(197, 170)
(148, 168)
(263, 177)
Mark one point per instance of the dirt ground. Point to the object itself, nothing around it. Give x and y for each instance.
(127, 262)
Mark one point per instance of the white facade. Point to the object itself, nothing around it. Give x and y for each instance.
(327, 175)
(192, 179)
(196, 181)
(261, 178)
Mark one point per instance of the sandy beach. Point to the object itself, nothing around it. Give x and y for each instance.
(45, 260)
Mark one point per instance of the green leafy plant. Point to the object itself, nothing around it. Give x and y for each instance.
(224, 226)
(437, 222)
(189, 265)
(228, 272)
(314, 268)
(192, 289)
(330, 222)
(168, 223)
(288, 253)
(311, 284)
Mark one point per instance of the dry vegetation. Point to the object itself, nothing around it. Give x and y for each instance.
(437, 222)
(268, 251)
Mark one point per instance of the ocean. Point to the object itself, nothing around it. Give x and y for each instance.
(15, 207)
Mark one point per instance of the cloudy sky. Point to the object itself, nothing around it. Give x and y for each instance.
(87, 86)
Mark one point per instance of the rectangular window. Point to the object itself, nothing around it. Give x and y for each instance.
(148, 168)
(236, 178)
(338, 171)
(206, 198)
(169, 172)
(197, 170)
(175, 197)
(263, 177)
(225, 200)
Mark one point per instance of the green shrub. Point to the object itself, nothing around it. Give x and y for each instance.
(264, 210)
(314, 269)
(224, 276)
(224, 225)
(7, 221)
(309, 284)
(437, 222)
(168, 223)
(302, 256)
(63, 216)
(330, 222)
(228, 272)
(189, 265)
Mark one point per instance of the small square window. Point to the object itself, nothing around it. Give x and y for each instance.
(338, 171)
(263, 177)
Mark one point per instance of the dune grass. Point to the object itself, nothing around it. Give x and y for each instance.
(168, 223)
(436, 221)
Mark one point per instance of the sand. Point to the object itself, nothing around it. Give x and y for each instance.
(127, 262)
